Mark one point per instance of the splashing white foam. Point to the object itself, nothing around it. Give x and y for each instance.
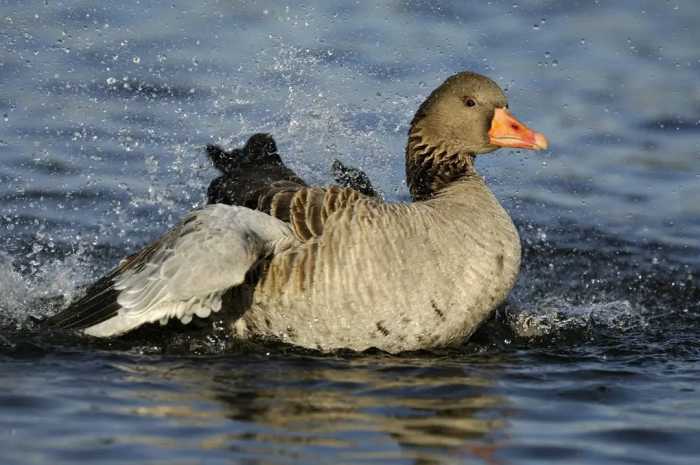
(317, 113)
(54, 282)
(556, 315)
(14, 291)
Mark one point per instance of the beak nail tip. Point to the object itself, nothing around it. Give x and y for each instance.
(541, 141)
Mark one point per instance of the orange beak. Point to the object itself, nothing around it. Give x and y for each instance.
(506, 131)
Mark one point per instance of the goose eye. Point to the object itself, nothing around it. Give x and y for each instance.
(470, 102)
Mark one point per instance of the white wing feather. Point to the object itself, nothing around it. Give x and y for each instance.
(193, 265)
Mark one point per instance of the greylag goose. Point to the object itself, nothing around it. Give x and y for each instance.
(332, 268)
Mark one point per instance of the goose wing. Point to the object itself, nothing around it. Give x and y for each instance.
(307, 209)
(182, 274)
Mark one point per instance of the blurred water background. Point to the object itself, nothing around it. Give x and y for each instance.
(104, 112)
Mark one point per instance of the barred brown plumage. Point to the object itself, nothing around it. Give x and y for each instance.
(332, 267)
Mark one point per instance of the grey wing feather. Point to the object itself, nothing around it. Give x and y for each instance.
(186, 272)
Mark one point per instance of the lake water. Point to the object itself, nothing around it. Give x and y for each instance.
(104, 113)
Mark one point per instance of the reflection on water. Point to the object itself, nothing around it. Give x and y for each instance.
(369, 408)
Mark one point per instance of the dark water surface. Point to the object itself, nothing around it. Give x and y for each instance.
(104, 112)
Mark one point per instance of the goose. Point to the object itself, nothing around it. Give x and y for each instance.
(331, 268)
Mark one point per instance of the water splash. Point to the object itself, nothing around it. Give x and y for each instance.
(51, 283)
(14, 292)
(306, 101)
(555, 316)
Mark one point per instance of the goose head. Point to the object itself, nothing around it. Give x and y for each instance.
(469, 113)
(465, 116)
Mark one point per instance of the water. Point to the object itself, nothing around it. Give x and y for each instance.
(104, 112)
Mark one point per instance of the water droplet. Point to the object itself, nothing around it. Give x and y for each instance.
(5, 117)
(111, 81)
(536, 27)
(547, 54)
(136, 60)
(582, 41)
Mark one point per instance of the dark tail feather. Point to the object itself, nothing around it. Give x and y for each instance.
(353, 178)
(260, 149)
(248, 172)
(222, 160)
